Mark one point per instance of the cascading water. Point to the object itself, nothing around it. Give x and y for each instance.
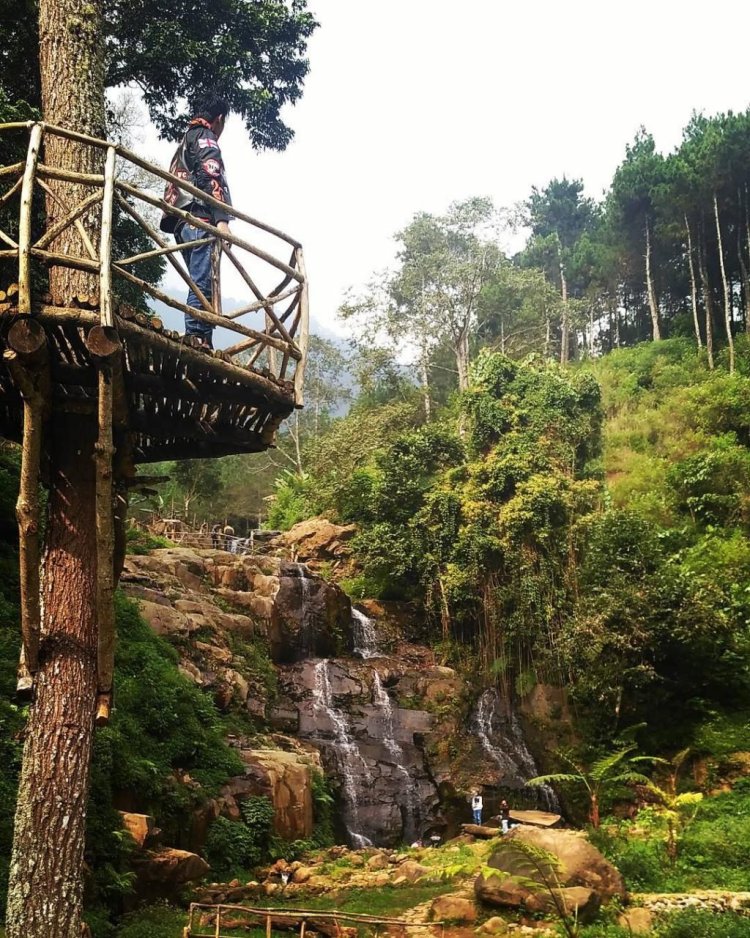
(365, 640)
(348, 756)
(410, 805)
(514, 758)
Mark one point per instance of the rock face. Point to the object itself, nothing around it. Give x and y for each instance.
(580, 864)
(162, 873)
(389, 722)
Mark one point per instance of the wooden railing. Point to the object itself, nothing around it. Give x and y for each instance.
(225, 918)
(275, 345)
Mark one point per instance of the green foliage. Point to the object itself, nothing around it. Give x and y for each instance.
(233, 846)
(714, 850)
(697, 924)
(291, 502)
(141, 542)
(153, 921)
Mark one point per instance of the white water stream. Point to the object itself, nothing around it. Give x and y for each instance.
(516, 760)
(347, 753)
(364, 636)
(410, 803)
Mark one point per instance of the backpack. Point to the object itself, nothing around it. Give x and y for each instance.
(174, 196)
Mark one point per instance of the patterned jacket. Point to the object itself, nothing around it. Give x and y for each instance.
(198, 160)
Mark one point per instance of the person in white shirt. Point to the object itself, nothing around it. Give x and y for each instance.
(476, 807)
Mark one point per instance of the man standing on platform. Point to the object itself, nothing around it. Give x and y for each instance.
(198, 161)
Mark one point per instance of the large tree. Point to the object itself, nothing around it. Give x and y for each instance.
(253, 52)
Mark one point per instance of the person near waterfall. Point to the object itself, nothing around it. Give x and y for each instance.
(505, 816)
(476, 807)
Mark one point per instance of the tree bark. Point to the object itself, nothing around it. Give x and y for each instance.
(71, 60)
(725, 285)
(461, 351)
(45, 894)
(693, 285)
(424, 378)
(652, 302)
(565, 320)
(708, 303)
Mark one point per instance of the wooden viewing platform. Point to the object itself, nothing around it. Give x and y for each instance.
(172, 400)
(142, 391)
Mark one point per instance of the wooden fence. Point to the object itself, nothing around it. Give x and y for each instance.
(271, 327)
(236, 918)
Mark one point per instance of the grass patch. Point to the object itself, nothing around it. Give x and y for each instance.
(714, 851)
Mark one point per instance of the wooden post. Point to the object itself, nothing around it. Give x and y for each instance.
(218, 922)
(105, 245)
(24, 221)
(27, 361)
(268, 926)
(304, 330)
(216, 250)
(104, 347)
(303, 928)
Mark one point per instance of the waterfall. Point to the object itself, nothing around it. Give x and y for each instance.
(410, 805)
(347, 755)
(365, 639)
(514, 758)
(307, 621)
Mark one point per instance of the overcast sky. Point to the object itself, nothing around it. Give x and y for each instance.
(413, 104)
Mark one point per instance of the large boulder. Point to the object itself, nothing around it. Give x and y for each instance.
(579, 863)
(312, 618)
(453, 908)
(286, 777)
(317, 539)
(578, 902)
(163, 872)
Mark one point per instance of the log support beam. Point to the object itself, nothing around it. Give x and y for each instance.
(28, 362)
(105, 349)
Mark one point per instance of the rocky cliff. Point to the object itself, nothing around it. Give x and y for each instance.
(313, 682)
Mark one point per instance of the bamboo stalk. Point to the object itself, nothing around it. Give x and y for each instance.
(8, 240)
(24, 221)
(105, 243)
(12, 169)
(304, 333)
(12, 191)
(216, 276)
(151, 168)
(218, 922)
(158, 252)
(206, 198)
(135, 215)
(254, 307)
(267, 305)
(27, 361)
(78, 223)
(64, 260)
(68, 175)
(206, 226)
(204, 315)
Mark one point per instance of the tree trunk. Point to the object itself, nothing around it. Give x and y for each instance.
(725, 285)
(71, 60)
(693, 285)
(424, 377)
(708, 303)
(565, 320)
(652, 303)
(45, 893)
(461, 351)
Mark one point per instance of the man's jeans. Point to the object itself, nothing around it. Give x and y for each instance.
(477, 815)
(199, 267)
